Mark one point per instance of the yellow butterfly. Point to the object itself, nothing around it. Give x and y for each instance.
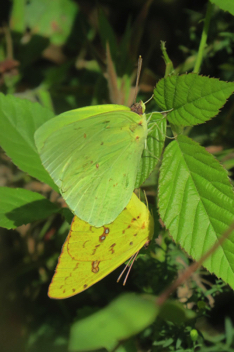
(90, 253)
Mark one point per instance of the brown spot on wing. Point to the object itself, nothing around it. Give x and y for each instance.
(143, 226)
(112, 248)
(106, 231)
(95, 266)
(85, 135)
(133, 219)
(76, 267)
(96, 247)
(85, 286)
(131, 243)
(85, 243)
(97, 166)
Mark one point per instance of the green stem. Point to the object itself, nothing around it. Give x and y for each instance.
(203, 39)
(167, 60)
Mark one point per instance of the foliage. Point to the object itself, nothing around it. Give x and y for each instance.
(67, 55)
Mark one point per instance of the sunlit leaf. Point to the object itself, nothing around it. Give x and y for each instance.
(19, 119)
(196, 203)
(193, 98)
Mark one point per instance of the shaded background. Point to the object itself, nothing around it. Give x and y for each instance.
(54, 52)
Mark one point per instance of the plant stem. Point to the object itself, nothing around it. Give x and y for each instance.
(167, 60)
(203, 39)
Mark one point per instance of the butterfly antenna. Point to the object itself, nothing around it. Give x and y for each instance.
(139, 66)
(123, 271)
(129, 269)
(131, 260)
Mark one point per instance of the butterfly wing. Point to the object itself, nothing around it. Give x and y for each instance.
(94, 159)
(85, 260)
(127, 233)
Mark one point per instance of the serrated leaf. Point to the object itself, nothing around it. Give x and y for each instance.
(196, 203)
(19, 119)
(20, 206)
(124, 317)
(155, 144)
(193, 98)
(226, 5)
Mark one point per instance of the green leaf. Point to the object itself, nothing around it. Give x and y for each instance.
(19, 119)
(126, 316)
(20, 206)
(193, 98)
(52, 19)
(226, 5)
(196, 203)
(17, 16)
(175, 312)
(155, 144)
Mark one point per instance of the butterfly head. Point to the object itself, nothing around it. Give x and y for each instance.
(138, 108)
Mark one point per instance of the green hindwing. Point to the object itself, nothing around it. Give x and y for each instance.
(93, 154)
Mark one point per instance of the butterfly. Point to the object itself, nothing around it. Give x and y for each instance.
(93, 154)
(90, 253)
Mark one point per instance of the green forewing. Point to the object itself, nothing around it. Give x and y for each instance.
(93, 154)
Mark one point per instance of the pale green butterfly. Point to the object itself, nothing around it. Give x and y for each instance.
(93, 154)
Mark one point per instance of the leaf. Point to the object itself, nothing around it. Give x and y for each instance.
(196, 203)
(155, 144)
(19, 206)
(175, 312)
(193, 98)
(19, 119)
(226, 5)
(126, 316)
(17, 16)
(52, 19)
